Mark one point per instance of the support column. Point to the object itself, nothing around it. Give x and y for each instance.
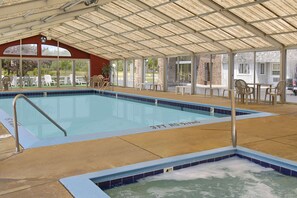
(125, 73)
(165, 67)
(255, 68)
(283, 71)
(193, 74)
(21, 64)
(1, 85)
(142, 70)
(73, 74)
(58, 69)
(210, 71)
(231, 71)
(39, 82)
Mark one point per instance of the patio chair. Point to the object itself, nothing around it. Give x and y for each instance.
(48, 80)
(279, 90)
(14, 81)
(95, 81)
(77, 81)
(6, 83)
(243, 91)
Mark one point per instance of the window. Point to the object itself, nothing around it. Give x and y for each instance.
(275, 80)
(49, 50)
(262, 68)
(275, 69)
(244, 68)
(27, 49)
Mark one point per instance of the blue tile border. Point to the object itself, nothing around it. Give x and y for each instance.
(106, 179)
(27, 140)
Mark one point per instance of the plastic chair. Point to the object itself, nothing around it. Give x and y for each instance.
(243, 90)
(279, 90)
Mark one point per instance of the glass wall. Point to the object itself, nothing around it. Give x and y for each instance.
(179, 73)
(267, 70)
(65, 73)
(291, 94)
(120, 72)
(81, 72)
(114, 73)
(130, 73)
(48, 71)
(138, 72)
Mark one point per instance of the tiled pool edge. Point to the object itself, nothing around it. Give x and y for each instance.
(85, 185)
(34, 142)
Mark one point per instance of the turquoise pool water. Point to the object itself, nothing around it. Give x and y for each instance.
(89, 114)
(233, 177)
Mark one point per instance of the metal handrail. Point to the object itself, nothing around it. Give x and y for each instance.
(15, 121)
(233, 119)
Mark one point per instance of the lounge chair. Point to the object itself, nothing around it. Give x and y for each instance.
(279, 90)
(243, 90)
(48, 80)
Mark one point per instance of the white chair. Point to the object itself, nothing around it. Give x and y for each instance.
(48, 80)
(14, 81)
(77, 81)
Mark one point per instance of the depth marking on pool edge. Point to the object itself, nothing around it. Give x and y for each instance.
(175, 124)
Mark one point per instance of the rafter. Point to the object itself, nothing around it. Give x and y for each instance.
(241, 22)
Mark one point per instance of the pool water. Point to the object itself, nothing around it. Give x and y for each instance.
(89, 114)
(233, 177)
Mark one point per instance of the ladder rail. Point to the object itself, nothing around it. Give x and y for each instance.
(15, 121)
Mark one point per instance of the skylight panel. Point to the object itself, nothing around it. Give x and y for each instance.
(274, 26)
(235, 44)
(178, 40)
(194, 6)
(152, 43)
(154, 2)
(77, 24)
(256, 42)
(115, 9)
(111, 49)
(193, 38)
(210, 47)
(253, 13)
(139, 21)
(282, 8)
(151, 17)
(217, 34)
(114, 40)
(128, 5)
(173, 28)
(63, 30)
(194, 48)
(96, 43)
(197, 24)
(80, 36)
(231, 3)
(174, 11)
(286, 39)
(238, 31)
(169, 51)
(95, 17)
(116, 27)
(96, 32)
(136, 36)
(218, 20)
(160, 31)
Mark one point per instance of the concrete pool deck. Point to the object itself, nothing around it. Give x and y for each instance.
(35, 172)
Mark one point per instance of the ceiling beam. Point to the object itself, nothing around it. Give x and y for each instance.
(38, 19)
(28, 5)
(179, 24)
(91, 24)
(144, 31)
(241, 22)
(103, 41)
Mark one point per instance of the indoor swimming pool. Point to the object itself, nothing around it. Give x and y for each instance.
(92, 114)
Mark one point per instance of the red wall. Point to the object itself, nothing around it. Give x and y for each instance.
(96, 62)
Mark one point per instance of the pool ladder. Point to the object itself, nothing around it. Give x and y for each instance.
(15, 120)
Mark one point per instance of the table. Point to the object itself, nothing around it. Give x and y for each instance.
(155, 87)
(258, 87)
(181, 89)
(211, 90)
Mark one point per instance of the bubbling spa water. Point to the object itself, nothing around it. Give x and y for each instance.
(233, 177)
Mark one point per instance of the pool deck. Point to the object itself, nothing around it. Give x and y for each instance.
(35, 172)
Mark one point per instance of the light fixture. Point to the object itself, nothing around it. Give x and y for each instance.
(89, 2)
(43, 39)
